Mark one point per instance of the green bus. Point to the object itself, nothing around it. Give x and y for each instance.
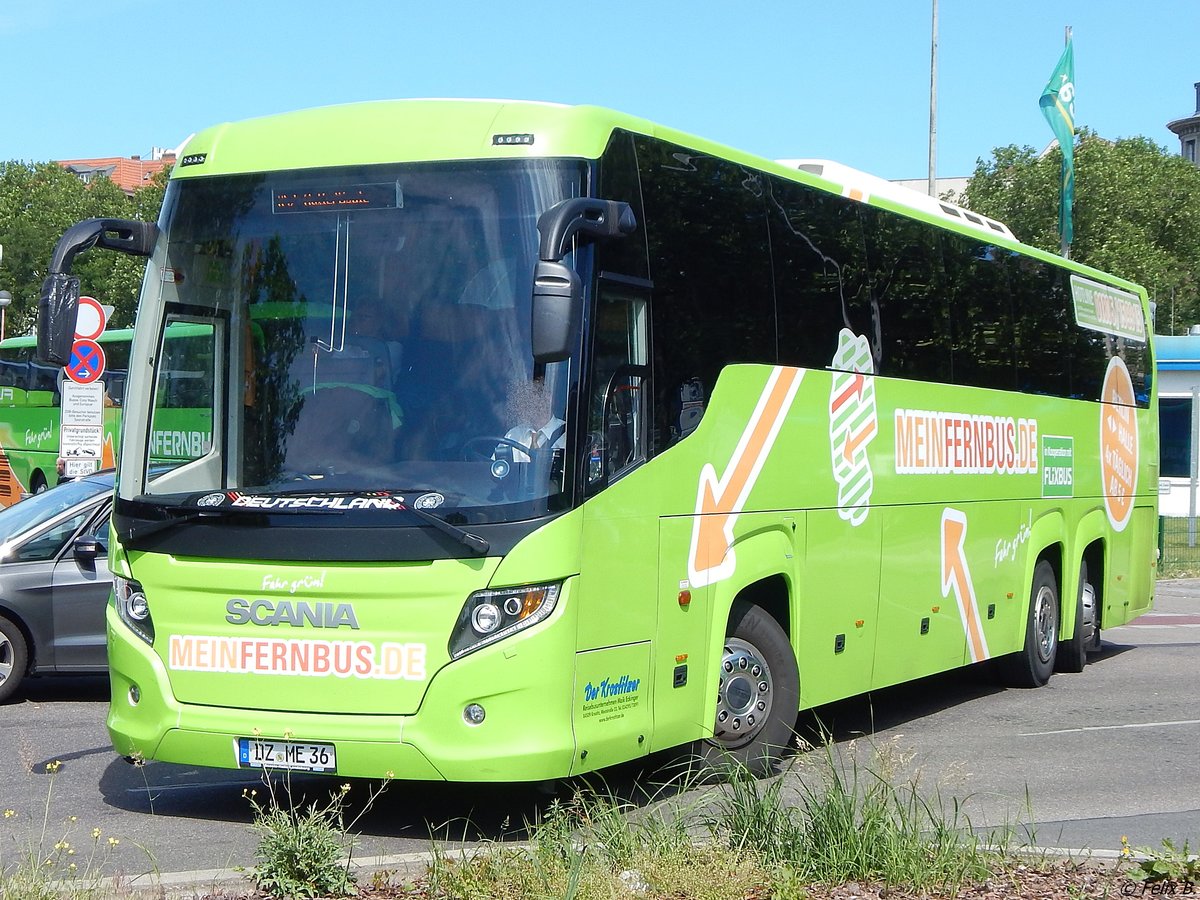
(545, 437)
(31, 409)
(30, 404)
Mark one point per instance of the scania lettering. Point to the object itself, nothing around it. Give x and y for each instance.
(265, 612)
(560, 437)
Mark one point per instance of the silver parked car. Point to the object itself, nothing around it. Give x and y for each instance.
(54, 581)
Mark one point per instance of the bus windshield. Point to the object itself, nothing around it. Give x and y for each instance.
(363, 330)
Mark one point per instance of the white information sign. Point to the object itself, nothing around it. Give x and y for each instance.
(82, 404)
(73, 467)
(81, 441)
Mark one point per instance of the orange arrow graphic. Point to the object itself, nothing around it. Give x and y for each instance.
(956, 576)
(854, 389)
(719, 500)
(108, 457)
(853, 442)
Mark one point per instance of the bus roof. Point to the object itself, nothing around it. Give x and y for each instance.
(862, 186)
(399, 131)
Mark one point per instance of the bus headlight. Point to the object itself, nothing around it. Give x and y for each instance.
(492, 615)
(133, 608)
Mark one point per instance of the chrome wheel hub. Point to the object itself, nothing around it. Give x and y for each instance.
(1088, 601)
(743, 696)
(1045, 623)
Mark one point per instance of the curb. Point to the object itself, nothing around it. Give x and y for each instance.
(216, 881)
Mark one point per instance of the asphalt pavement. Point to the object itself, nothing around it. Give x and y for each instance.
(1080, 763)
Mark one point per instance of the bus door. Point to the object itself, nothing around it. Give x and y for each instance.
(618, 579)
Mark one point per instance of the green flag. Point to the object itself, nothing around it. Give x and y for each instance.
(1058, 106)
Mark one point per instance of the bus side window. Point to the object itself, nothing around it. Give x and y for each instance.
(619, 413)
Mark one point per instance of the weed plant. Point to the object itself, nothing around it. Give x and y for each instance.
(52, 866)
(304, 850)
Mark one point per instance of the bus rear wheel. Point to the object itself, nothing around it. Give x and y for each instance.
(1033, 664)
(1072, 653)
(758, 694)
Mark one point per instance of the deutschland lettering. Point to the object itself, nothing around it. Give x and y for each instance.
(938, 443)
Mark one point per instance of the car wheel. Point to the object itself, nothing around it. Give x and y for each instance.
(1033, 664)
(758, 696)
(14, 658)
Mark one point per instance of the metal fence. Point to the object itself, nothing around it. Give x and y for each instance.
(1178, 545)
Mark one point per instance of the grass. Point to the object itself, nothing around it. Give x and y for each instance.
(1180, 558)
(849, 822)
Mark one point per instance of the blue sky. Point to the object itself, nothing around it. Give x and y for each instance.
(844, 80)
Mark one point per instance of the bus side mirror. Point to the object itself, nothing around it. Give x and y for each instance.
(557, 311)
(557, 291)
(58, 308)
(58, 305)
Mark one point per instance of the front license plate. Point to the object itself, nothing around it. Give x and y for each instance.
(255, 753)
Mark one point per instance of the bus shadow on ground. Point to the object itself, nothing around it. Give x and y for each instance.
(471, 813)
(59, 688)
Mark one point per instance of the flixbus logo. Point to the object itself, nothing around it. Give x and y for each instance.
(288, 612)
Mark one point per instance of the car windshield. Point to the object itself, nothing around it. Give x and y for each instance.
(361, 330)
(33, 511)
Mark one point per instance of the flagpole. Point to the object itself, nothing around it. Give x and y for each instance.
(1066, 248)
(933, 104)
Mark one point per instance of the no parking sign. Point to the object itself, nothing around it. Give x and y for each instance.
(87, 361)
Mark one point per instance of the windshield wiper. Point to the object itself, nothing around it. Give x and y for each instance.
(472, 542)
(182, 515)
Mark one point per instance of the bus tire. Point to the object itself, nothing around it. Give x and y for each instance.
(37, 483)
(758, 698)
(1033, 664)
(1072, 654)
(14, 658)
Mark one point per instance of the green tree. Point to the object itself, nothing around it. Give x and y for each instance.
(1137, 213)
(38, 202)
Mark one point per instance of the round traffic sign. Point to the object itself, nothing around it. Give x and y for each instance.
(87, 362)
(90, 322)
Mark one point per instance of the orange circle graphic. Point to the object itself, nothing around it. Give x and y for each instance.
(1118, 443)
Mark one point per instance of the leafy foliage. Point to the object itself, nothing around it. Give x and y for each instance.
(38, 202)
(1137, 213)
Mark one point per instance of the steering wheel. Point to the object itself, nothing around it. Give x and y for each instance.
(472, 451)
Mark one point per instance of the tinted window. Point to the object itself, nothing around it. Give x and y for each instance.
(819, 263)
(980, 313)
(710, 262)
(908, 297)
(1175, 436)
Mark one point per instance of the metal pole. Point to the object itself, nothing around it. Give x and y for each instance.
(1195, 466)
(933, 103)
(1066, 248)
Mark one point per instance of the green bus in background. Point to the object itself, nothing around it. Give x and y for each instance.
(546, 437)
(30, 407)
(31, 413)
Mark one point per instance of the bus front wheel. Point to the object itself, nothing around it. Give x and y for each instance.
(758, 694)
(1033, 664)
(37, 483)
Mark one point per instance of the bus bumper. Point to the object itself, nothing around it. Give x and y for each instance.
(526, 734)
